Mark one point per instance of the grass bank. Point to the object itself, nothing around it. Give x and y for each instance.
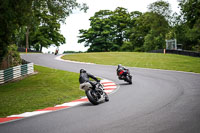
(48, 88)
(140, 59)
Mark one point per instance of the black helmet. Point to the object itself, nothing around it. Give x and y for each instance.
(82, 71)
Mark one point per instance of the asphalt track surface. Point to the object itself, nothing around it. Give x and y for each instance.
(158, 101)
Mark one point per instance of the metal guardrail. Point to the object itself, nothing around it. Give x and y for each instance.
(181, 52)
(15, 72)
(28, 50)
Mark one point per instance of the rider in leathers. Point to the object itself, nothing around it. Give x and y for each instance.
(119, 68)
(84, 77)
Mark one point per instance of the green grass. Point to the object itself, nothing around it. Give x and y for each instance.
(48, 88)
(140, 59)
(51, 87)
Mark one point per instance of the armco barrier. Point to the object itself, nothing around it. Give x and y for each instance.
(184, 52)
(15, 72)
(28, 50)
(181, 52)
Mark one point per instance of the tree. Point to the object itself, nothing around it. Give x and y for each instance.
(133, 33)
(46, 18)
(121, 20)
(190, 12)
(161, 7)
(147, 33)
(107, 31)
(99, 36)
(13, 15)
(26, 14)
(124, 31)
(40, 18)
(155, 25)
(152, 41)
(47, 34)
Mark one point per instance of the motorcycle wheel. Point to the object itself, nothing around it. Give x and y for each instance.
(91, 96)
(106, 97)
(129, 80)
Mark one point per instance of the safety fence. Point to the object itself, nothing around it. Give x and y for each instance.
(181, 52)
(28, 50)
(16, 72)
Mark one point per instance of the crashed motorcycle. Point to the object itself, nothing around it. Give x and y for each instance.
(95, 96)
(124, 75)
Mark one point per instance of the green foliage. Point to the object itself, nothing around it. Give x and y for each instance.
(161, 7)
(47, 33)
(40, 18)
(136, 31)
(121, 19)
(188, 30)
(126, 46)
(12, 57)
(14, 14)
(149, 36)
(48, 15)
(120, 30)
(66, 52)
(99, 36)
(107, 30)
(152, 42)
(190, 10)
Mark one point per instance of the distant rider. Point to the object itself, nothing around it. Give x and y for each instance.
(56, 52)
(119, 68)
(84, 77)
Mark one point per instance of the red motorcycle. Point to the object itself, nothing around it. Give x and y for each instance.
(124, 74)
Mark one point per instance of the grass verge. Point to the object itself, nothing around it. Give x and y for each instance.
(48, 88)
(140, 59)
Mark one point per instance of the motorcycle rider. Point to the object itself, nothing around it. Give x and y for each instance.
(119, 68)
(56, 52)
(84, 77)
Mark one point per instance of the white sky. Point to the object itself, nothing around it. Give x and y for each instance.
(80, 20)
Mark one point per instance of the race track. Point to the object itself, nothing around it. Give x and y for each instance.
(158, 101)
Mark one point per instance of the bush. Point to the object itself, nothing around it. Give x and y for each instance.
(66, 52)
(12, 58)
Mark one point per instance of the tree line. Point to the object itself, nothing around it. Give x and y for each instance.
(120, 30)
(33, 23)
(36, 23)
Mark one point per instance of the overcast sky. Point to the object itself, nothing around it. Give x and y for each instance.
(80, 20)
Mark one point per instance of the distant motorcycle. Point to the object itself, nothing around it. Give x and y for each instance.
(124, 74)
(95, 96)
(56, 52)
